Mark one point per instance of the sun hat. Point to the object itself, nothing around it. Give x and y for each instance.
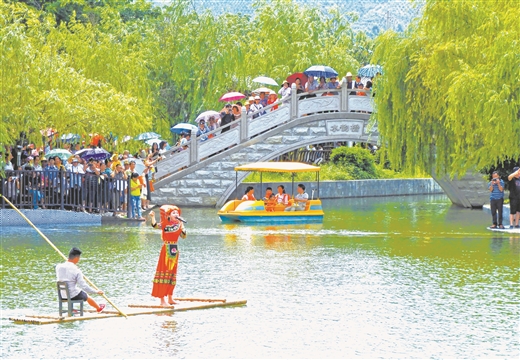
(257, 97)
(349, 74)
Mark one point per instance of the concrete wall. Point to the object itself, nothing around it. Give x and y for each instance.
(9, 217)
(354, 188)
(469, 191)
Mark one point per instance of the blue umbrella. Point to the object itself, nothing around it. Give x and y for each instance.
(147, 136)
(183, 128)
(370, 70)
(321, 70)
(70, 137)
(61, 153)
(96, 154)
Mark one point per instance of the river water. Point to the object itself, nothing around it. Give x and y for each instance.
(398, 277)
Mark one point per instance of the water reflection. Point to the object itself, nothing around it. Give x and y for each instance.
(379, 278)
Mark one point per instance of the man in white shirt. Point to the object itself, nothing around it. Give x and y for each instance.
(300, 200)
(257, 107)
(72, 275)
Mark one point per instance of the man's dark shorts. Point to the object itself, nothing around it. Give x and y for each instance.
(81, 296)
(514, 206)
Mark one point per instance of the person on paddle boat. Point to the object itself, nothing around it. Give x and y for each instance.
(249, 194)
(268, 193)
(300, 200)
(172, 226)
(72, 275)
(271, 203)
(282, 197)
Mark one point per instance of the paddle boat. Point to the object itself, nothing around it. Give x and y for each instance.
(256, 211)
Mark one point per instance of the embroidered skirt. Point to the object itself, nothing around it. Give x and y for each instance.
(165, 277)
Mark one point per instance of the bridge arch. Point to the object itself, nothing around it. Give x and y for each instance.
(204, 174)
(211, 179)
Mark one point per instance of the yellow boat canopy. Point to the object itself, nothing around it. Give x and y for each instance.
(289, 167)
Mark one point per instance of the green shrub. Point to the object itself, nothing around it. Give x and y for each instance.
(356, 161)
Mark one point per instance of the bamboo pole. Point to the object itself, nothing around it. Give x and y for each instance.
(59, 252)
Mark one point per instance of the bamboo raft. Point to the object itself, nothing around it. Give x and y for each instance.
(184, 304)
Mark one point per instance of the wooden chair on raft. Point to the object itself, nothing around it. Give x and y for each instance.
(63, 288)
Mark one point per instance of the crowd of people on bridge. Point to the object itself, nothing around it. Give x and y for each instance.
(261, 100)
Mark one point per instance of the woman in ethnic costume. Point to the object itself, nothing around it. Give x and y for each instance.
(166, 274)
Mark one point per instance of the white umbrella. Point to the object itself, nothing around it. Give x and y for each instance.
(262, 90)
(206, 115)
(183, 128)
(265, 80)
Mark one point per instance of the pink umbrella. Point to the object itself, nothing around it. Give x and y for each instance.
(232, 96)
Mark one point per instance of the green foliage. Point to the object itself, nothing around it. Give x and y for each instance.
(124, 67)
(73, 78)
(356, 161)
(449, 100)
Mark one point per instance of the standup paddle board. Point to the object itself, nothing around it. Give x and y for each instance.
(506, 229)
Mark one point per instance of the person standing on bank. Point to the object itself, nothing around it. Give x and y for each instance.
(496, 198)
(72, 275)
(172, 228)
(514, 197)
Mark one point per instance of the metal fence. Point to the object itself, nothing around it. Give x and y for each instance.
(64, 190)
(313, 157)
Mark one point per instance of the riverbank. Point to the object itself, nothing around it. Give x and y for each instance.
(327, 190)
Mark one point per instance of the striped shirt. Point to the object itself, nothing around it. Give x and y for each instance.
(72, 275)
(496, 193)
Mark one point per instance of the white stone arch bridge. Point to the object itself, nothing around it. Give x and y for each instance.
(203, 175)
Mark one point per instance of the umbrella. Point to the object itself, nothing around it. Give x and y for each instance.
(63, 154)
(262, 89)
(232, 96)
(292, 78)
(96, 154)
(139, 165)
(70, 137)
(265, 80)
(183, 128)
(147, 136)
(126, 138)
(206, 115)
(48, 132)
(321, 70)
(370, 70)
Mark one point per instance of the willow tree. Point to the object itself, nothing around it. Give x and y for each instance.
(449, 99)
(198, 57)
(44, 82)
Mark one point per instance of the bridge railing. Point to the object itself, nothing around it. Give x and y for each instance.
(250, 125)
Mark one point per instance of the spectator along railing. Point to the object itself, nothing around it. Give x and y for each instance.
(251, 125)
(64, 190)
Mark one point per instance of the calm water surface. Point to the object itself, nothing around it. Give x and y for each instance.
(407, 277)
